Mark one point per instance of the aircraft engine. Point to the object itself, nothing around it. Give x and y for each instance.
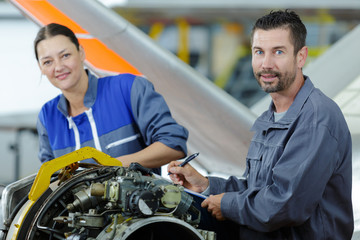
(103, 203)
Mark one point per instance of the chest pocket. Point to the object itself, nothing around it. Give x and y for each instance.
(257, 175)
(260, 161)
(254, 164)
(265, 150)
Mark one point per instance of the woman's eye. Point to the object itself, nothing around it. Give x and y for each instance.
(46, 63)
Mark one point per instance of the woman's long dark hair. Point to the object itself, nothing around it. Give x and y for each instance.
(51, 30)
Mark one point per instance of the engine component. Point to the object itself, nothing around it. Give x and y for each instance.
(157, 227)
(110, 202)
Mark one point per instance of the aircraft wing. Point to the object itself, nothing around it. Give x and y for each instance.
(218, 124)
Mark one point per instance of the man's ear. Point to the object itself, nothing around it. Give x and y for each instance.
(301, 56)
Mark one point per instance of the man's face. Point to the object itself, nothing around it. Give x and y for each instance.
(274, 63)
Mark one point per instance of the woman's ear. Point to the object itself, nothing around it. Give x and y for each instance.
(41, 70)
(82, 53)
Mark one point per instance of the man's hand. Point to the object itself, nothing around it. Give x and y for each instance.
(213, 204)
(187, 176)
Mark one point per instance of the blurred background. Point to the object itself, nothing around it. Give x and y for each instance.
(210, 36)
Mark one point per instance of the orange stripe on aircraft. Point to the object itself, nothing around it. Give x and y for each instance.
(101, 57)
(97, 53)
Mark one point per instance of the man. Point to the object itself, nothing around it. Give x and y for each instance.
(297, 184)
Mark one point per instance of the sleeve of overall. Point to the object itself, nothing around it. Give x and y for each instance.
(298, 182)
(232, 184)
(153, 117)
(45, 151)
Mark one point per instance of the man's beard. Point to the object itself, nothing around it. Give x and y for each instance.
(285, 80)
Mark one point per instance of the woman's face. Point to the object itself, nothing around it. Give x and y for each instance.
(61, 62)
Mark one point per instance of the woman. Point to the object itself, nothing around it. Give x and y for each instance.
(121, 115)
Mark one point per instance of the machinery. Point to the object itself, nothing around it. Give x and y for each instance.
(100, 202)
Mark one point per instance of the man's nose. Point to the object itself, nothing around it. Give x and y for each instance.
(268, 62)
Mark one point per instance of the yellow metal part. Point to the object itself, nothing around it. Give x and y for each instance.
(42, 180)
(156, 30)
(183, 47)
(15, 226)
(223, 78)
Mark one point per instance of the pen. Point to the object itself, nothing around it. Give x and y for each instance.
(187, 160)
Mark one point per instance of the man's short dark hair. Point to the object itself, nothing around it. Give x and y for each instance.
(286, 20)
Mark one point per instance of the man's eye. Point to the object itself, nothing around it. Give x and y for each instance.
(259, 52)
(278, 52)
